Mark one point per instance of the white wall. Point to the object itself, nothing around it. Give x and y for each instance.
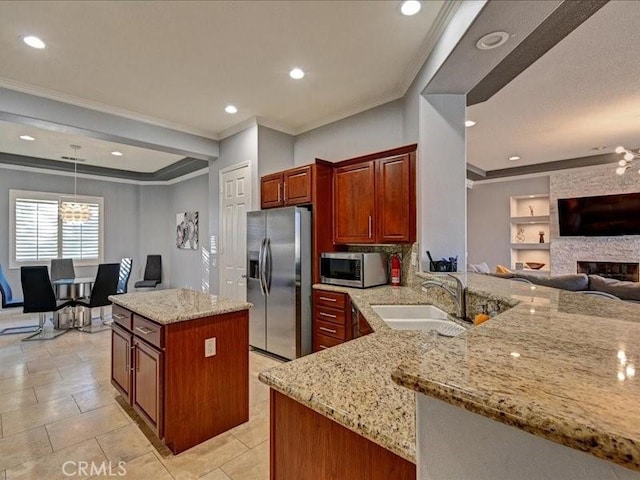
(189, 268)
(488, 223)
(239, 148)
(374, 130)
(275, 151)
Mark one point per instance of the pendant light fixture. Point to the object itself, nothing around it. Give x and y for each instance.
(74, 213)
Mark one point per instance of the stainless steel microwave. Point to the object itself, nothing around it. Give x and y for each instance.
(360, 270)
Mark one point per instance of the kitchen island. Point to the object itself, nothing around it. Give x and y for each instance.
(561, 338)
(180, 358)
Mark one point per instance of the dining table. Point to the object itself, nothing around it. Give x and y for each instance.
(71, 289)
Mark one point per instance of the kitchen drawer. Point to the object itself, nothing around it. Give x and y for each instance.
(329, 329)
(330, 315)
(122, 317)
(322, 342)
(149, 331)
(329, 299)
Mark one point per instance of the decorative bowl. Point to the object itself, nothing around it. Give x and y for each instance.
(534, 265)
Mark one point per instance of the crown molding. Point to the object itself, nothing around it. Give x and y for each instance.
(101, 107)
(237, 128)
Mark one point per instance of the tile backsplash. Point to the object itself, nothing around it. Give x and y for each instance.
(404, 250)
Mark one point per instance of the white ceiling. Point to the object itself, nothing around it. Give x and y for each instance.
(54, 145)
(583, 93)
(178, 63)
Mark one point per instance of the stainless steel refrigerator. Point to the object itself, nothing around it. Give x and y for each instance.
(279, 281)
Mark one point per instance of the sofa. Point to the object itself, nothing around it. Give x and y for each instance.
(629, 291)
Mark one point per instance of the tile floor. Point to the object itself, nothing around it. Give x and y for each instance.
(58, 409)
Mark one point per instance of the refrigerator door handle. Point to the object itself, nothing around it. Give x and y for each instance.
(261, 267)
(268, 266)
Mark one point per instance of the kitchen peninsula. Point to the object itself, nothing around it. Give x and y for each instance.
(180, 358)
(550, 365)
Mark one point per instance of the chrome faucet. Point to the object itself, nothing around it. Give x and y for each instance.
(458, 295)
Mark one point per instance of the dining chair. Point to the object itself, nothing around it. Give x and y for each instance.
(8, 301)
(106, 284)
(62, 268)
(40, 298)
(152, 273)
(126, 264)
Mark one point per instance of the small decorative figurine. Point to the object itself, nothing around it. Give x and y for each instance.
(520, 235)
(541, 237)
(531, 210)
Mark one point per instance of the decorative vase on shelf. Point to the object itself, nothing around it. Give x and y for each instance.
(541, 237)
(520, 235)
(531, 210)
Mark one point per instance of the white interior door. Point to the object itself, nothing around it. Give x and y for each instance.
(235, 200)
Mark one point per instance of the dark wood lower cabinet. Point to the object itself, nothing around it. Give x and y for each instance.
(307, 445)
(148, 387)
(163, 373)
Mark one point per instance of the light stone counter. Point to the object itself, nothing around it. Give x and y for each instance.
(177, 305)
(351, 383)
(560, 365)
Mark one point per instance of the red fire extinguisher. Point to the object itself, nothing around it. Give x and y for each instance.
(395, 270)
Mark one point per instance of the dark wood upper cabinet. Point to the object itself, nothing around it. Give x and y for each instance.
(354, 205)
(395, 211)
(272, 191)
(297, 186)
(375, 198)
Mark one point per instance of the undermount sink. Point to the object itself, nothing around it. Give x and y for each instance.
(417, 317)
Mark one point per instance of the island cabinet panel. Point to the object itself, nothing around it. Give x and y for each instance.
(206, 396)
(121, 360)
(297, 186)
(354, 203)
(310, 446)
(271, 191)
(148, 386)
(185, 396)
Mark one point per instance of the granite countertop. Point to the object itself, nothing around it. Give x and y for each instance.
(560, 365)
(351, 383)
(177, 305)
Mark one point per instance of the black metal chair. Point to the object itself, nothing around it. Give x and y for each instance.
(62, 268)
(39, 298)
(152, 272)
(106, 284)
(126, 264)
(8, 301)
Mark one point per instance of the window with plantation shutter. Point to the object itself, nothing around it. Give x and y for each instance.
(38, 234)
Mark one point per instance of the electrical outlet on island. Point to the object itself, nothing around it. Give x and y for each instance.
(210, 347)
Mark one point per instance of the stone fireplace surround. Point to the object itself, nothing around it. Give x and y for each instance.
(624, 271)
(566, 252)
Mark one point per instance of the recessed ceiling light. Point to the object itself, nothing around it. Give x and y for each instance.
(116, 154)
(469, 123)
(532, 196)
(513, 158)
(410, 7)
(296, 73)
(230, 109)
(33, 42)
(27, 137)
(492, 40)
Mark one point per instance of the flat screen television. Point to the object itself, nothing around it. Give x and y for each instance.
(601, 216)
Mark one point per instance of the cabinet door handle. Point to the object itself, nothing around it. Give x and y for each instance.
(369, 226)
(323, 347)
(137, 360)
(327, 315)
(145, 330)
(330, 330)
(285, 191)
(127, 365)
(278, 193)
(118, 316)
(327, 299)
